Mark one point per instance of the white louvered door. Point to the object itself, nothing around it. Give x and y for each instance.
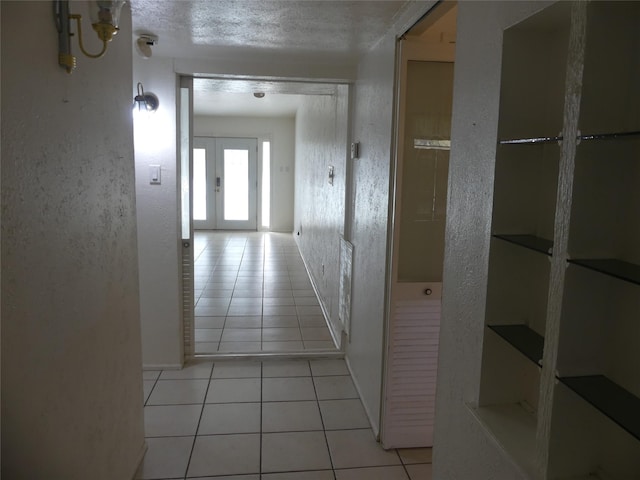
(412, 362)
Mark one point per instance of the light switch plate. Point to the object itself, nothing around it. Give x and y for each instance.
(154, 175)
(355, 150)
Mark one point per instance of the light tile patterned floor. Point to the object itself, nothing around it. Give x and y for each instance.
(253, 294)
(270, 420)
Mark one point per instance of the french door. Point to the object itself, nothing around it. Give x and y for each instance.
(225, 183)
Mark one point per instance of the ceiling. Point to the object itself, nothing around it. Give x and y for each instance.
(235, 98)
(337, 30)
(284, 30)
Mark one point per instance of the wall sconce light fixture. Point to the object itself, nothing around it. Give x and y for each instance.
(145, 102)
(105, 16)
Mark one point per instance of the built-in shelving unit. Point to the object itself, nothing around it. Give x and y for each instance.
(560, 376)
(528, 159)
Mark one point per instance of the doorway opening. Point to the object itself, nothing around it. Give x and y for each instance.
(250, 293)
(425, 64)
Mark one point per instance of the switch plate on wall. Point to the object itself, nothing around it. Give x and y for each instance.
(154, 175)
(355, 150)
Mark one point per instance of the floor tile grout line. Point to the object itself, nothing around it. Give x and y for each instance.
(195, 436)
(324, 430)
(146, 400)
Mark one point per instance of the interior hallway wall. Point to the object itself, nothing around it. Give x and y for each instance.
(158, 229)
(321, 143)
(281, 133)
(372, 127)
(71, 377)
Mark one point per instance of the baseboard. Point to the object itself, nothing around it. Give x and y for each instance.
(162, 366)
(375, 426)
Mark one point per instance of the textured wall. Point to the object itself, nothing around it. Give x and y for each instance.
(281, 133)
(158, 234)
(471, 170)
(71, 379)
(321, 139)
(372, 123)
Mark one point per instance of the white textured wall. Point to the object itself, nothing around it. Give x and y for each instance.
(321, 141)
(158, 233)
(462, 450)
(71, 378)
(372, 127)
(281, 133)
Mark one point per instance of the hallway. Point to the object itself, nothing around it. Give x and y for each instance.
(253, 294)
(270, 420)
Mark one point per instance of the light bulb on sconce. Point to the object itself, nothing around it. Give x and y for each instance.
(144, 101)
(105, 17)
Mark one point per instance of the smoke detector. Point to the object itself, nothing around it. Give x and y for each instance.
(144, 43)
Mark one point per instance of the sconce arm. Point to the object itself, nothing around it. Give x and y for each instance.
(78, 19)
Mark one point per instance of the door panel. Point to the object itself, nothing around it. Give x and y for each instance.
(236, 183)
(225, 183)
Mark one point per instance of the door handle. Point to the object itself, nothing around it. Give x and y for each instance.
(218, 182)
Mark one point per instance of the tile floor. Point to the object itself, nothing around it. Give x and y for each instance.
(265, 420)
(253, 294)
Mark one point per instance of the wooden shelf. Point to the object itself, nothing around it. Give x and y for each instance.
(612, 400)
(610, 266)
(523, 339)
(531, 242)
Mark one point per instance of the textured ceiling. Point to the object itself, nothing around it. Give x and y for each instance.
(334, 30)
(224, 97)
(281, 30)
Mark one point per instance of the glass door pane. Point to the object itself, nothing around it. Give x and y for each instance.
(236, 178)
(199, 184)
(236, 191)
(266, 184)
(204, 183)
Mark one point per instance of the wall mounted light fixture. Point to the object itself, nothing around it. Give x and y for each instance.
(105, 16)
(145, 102)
